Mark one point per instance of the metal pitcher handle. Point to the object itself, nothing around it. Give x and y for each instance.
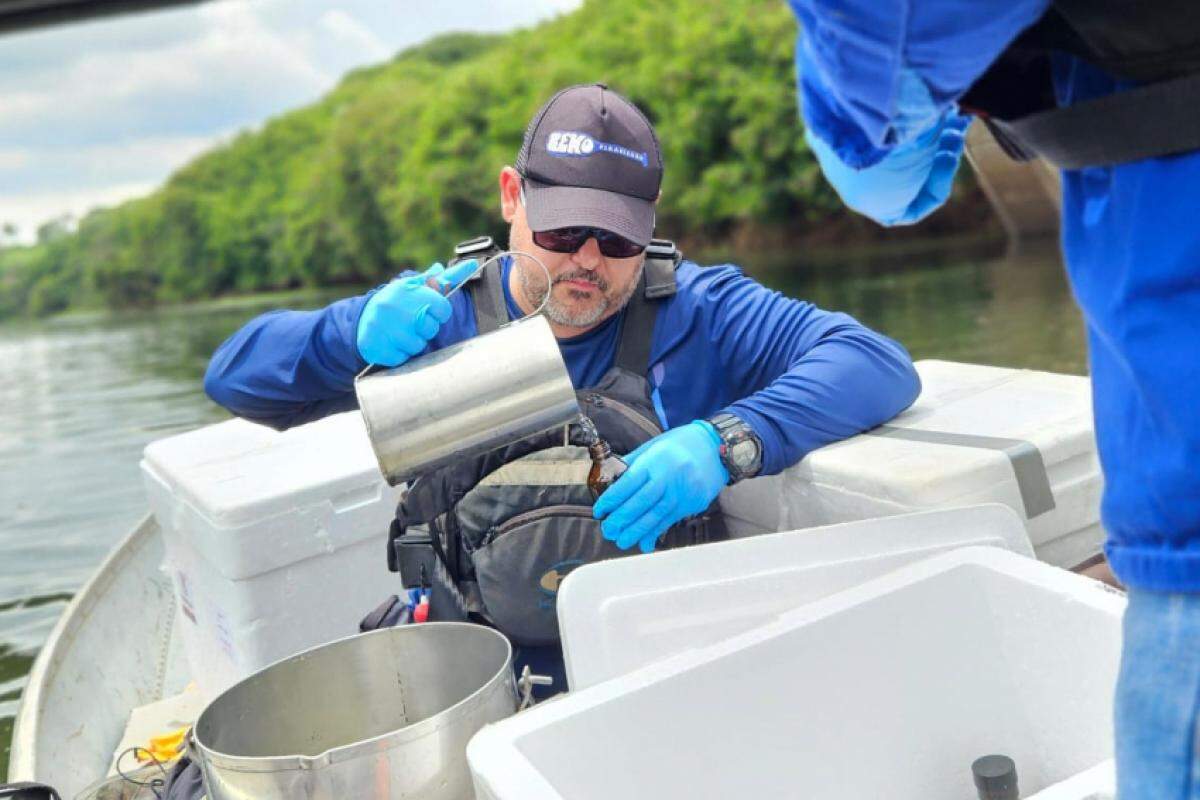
(503, 254)
(525, 686)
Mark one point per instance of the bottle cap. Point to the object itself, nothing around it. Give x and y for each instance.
(995, 777)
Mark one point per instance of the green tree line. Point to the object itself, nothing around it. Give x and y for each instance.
(400, 160)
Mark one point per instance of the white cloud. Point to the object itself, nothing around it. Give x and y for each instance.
(355, 34)
(159, 152)
(145, 158)
(28, 210)
(14, 158)
(238, 41)
(84, 178)
(88, 167)
(98, 112)
(232, 64)
(18, 106)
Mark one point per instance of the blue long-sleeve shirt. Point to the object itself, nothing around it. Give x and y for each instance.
(800, 376)
(1130, 241)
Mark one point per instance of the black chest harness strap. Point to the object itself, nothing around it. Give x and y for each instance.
(637, 329)
(1160, 119)
(485, 287)
(1153, 43)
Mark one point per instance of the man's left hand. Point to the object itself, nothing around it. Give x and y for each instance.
(672, 476)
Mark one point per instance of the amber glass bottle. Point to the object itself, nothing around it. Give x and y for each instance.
(606, 467)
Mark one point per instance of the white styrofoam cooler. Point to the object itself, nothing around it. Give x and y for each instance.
(993, 415)
(888, 689)
(618, 615)
(1097, 783)
(275, 541)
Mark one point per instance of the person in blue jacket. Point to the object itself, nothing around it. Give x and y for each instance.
(1108, 92)
(742, 380)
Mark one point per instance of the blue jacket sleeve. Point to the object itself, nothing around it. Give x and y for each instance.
(855, 50)
(285, 368)
(800, 376)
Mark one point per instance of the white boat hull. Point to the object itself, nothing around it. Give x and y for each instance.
(112, 650)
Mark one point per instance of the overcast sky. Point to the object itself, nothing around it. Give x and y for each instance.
(97, 113)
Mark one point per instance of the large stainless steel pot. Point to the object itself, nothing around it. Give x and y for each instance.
(469, 398)
(385, 714)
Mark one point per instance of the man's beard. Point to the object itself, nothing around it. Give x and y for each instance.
(533, 286)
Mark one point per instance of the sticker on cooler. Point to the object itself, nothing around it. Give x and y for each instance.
(225, 635)
(186, 604)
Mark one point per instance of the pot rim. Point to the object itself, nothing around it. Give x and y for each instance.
(382, 742)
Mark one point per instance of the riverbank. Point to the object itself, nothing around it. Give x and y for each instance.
(763, 254)
(287, 298)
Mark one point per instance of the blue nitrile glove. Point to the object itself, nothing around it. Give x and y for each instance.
(400, 319)
(897, 181)
(450, 279)
(672, 476)
(909, 183)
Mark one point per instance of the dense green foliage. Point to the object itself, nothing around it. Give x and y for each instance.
(401, 160)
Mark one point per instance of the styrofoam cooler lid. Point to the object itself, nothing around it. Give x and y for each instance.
(969, 427)
(616, 616)
(235, 473)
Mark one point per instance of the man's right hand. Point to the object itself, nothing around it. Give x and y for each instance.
(400, 319)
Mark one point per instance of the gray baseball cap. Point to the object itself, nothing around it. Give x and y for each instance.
(590, 157)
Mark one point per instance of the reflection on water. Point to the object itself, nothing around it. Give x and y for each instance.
(1012, 311)
(81, 397)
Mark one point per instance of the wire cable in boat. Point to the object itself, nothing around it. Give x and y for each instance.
(154, 784)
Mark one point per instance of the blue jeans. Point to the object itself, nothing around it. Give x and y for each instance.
(1158, 698)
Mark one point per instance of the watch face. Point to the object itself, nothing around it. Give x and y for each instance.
(741, 451)
(744, 454)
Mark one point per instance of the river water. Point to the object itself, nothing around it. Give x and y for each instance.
(81, 396)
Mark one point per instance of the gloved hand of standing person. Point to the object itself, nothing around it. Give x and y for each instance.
(400, 319)
(898, 181)
(909, 183)
(672, 476)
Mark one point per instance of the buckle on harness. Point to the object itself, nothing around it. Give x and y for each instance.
(471, 246)
(662, 257)
(661, 248)
(479, 246)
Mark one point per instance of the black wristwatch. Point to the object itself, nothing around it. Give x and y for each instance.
(741, 449)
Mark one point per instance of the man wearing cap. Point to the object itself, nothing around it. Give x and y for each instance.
(740, 380)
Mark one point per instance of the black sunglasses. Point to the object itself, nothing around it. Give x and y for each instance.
(569, 240)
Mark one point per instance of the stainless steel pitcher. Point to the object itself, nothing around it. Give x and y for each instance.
(469, 398)
(378, 716)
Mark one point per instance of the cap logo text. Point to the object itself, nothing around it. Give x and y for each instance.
(570, 143)
(579, 145)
